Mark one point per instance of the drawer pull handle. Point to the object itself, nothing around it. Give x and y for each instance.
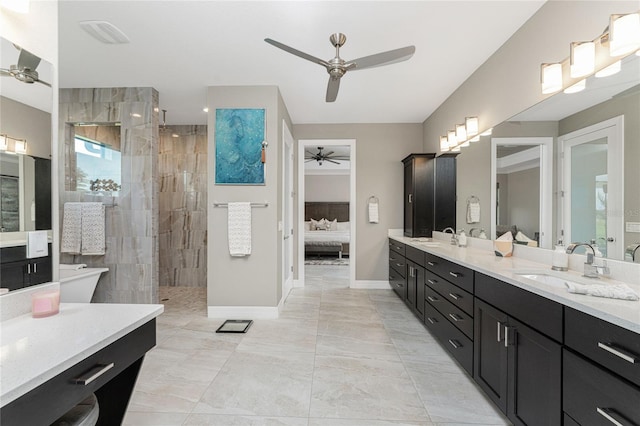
(621, 353)
(455, 317)
(399, 264)
(393, 259)
(431, 263)
(506, 336)
(92, 374)
(432, 282)
(432, 299)
(455, 296)
(455, 343)
(454, 274)
(611, 415)
(432, 320)
(498, 338)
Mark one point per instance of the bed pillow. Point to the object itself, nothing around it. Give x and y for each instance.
(318, 225)
(343, 226)
(332, 225)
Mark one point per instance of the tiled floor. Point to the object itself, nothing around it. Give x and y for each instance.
(335, 357)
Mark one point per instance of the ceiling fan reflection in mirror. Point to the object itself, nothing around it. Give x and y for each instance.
(322, 156)
(338, 67)
(25, 69)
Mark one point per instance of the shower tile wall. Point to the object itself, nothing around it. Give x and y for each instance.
(132, 225)
(183, 206)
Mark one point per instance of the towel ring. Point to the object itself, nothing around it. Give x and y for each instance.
(373, 199)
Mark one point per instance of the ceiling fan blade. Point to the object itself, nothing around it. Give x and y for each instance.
(385, 58)
(332, 89)
(5, 72)
(326, 154)
(297, 52)
(310, 153)
(340, 157)
(27, 60)
(43, 82)
(331, 161)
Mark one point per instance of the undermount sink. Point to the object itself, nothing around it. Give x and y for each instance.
(549, 279)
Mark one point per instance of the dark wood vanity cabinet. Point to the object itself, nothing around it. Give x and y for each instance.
(429, 193)
(397, 268)
(16, 271)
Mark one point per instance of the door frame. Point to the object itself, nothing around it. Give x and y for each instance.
(613, 130)
(287, 225)
(302, 145)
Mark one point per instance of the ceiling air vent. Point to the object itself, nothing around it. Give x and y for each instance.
(105, 32)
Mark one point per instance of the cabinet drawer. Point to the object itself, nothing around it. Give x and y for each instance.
(460, 347)
(398, 264)
(415, 255)
(397, 283)
(50, 400)
(593, 396)
(396, 246)
(453, 314)
(452, 293)
(611, 346)
(454, 273)
(536, 311)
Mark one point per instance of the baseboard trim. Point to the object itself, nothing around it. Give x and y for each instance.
(243, 312)
(370, 285)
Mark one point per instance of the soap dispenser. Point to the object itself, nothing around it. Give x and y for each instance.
(462, 239)
(483, 235)
(560, 259)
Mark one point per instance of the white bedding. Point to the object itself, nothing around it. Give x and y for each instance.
(326, 236)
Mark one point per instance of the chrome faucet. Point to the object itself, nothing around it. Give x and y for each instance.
(471, 231)
(454, 237)
(590, 269)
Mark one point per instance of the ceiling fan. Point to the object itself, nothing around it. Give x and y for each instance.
(321, 156)
(337, 67)
(25, 69)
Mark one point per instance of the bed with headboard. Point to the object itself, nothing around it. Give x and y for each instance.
(327, 229)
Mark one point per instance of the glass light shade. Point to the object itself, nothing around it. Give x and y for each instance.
(624, 34)
(461, 133)
(20, 6)
(456, 149)
(205, 109)
(578, 87)
(471, 124)
(487, 132)
(451, 138)
(20, 146)
(551, 78)
(475, 139)
(444, 143)
(583, 58)
(465, 144)
(3, 143)
(610, 70)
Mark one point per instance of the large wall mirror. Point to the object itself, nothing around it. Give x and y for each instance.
(25, 144)
(595, 176)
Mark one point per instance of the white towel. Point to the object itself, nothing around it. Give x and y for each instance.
(473, 212)
(617, 291)
(73, 267)
(37, 244)
(374, 214)
(93, 232)
(239, 229)
(71, 240)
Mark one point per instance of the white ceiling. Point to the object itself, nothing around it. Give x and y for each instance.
(182, 47)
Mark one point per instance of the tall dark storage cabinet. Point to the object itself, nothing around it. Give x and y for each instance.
(429, 193)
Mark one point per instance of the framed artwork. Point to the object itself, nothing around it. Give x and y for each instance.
(239, 135)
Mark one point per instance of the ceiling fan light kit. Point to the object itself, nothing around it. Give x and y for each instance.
(338, 67)
(25, 69)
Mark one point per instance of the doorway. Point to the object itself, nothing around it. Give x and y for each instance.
(287, 211)
(332, 152)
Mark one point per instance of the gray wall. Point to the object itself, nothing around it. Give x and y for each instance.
(254, 280)
(379, 171)
(183, 206)
(131, 226)
(523, 207)
(326, 187)
(21, 121)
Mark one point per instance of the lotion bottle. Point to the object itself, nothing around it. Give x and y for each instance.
(462, 239)
(560, 259)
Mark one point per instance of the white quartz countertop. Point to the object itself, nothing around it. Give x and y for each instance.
(623, 313)
(34, 350)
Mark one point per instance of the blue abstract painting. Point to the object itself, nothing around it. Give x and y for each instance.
(239, 135)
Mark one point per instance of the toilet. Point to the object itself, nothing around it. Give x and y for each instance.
(78, 285)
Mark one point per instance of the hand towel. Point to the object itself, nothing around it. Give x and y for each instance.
(73, 267)
(239, 229)
(71, 228)
(374, 213)
(93, 229)
(37, 244)
(473, 212)
(618, 291)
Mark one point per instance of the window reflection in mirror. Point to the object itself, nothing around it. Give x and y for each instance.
(94, 158)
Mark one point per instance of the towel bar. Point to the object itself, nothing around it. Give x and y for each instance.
(265, 204)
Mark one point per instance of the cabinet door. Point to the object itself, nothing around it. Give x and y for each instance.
(535, 378)
(420, 292)
(411, 284)
(408, 199)
(490, 352)
(13, 275)
(40, 270)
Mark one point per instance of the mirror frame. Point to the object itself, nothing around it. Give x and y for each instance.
(546, 184)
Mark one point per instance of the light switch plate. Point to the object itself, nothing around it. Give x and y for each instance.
(633, 227)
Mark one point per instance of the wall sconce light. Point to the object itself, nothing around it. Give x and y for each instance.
(578, 87)
(461, 133)
(582, 59)
(610, 70)
(3, 143)
(444, 143)
(551, 78)
(624, 34)
(451, 138)
(20, 146)
(471, 124)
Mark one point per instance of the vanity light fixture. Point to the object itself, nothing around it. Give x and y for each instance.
(487, 132)
(136, 115)
(205, 109)
(471, 124)
(578, 87)
(610, 70)
(20, 146)
(551, 78)
(19, 6)
(461, 133)
(3, 143)
(476, 138)
(456, 148)
(444, 143)
(582, 60)
(175, 135)
(451, 138)
(624, 33)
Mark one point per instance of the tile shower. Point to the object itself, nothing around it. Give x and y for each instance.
(183, 206)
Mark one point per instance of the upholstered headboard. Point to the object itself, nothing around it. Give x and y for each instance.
(329, 210)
